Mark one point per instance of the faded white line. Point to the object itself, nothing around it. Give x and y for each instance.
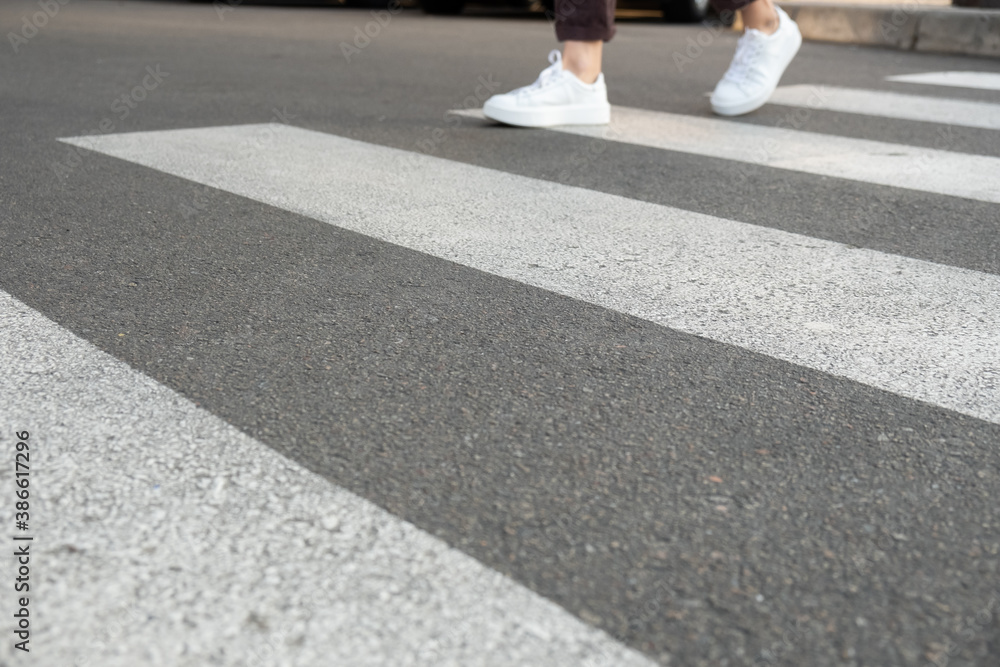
(919, 329)
(978, 80)
(165, 536)
(891, 105)
(897, 165)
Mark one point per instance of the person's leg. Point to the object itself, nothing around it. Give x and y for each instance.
(572, 90)
(583, 59)
(584, 26)
(770, 41)
(760, 15)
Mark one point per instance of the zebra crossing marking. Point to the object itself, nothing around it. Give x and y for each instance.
(891, 105)
(919, 329)
(977, 80)
(222, 525)
(880, 163)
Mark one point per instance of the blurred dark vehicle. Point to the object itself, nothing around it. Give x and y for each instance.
(680, 11)
(684, 11)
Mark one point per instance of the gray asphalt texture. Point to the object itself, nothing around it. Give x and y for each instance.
(700, 502)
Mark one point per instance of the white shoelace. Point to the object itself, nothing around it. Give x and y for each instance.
(747, 49)
(548, 76)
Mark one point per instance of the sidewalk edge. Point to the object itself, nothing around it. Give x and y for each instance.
(905, 26)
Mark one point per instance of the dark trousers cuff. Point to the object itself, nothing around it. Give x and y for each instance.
(585, 20)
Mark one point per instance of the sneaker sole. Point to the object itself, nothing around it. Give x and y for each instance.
(550, 117)
(757, 102)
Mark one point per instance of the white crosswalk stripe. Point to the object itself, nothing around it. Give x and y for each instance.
(977, 80)
(891, 105)
(215, 518)
(925, 169)
(856, 313)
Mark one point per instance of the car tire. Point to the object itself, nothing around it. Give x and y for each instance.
(443, 6)
(685, 11)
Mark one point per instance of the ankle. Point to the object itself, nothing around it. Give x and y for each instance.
(586, 73)
(763, 19)
(583, 59)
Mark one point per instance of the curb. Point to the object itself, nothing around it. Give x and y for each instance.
(906, 26)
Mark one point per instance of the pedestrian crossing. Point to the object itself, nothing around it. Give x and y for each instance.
(924, 169)
(366, 586)
(214, 504)
(921, 108)
(856, 313)
(975, 80)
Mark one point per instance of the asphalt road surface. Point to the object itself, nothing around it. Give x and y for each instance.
(315, 366)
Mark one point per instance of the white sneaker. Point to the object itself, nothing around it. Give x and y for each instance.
(558, 97)
(757, 67)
